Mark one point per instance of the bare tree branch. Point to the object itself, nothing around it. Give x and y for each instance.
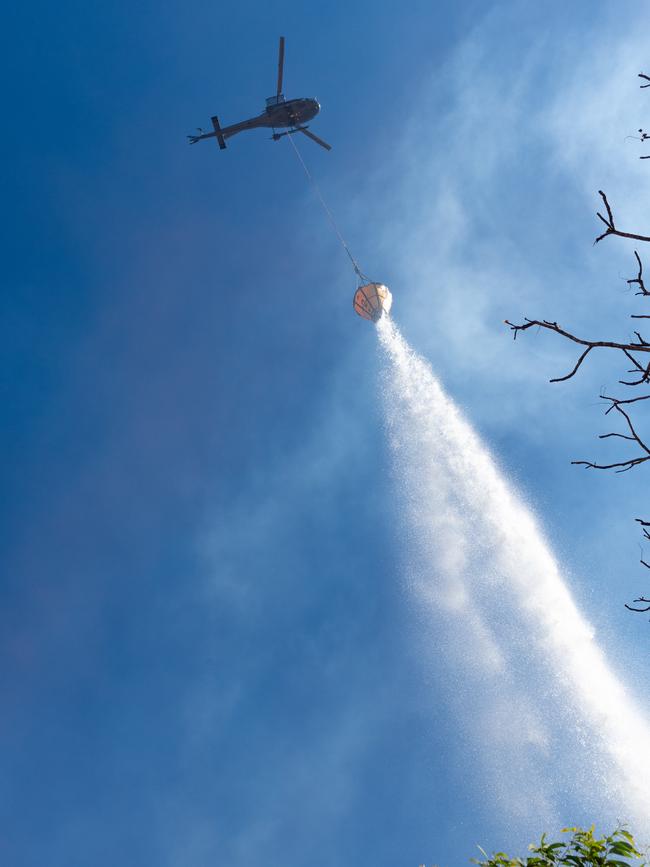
(618, 467)
(645, 525)
(646, 372)
(626, 348)
(639, 278)
(620, 435)
(611, 227)
(621, 401)
(632, 436)
(640, 599)
(647, 78)
(643, 137)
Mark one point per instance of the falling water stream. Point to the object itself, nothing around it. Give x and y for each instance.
(542, 719)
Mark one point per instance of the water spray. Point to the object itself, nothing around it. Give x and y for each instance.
(540, 709)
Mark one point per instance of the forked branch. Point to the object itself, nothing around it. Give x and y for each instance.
(645, 525)
(642, 289)
(639, 281)
(644, 137)
(611, 226)
(627, 348)
(642, 599)
(631, 436)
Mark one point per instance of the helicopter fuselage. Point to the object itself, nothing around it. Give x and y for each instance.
(292, 112)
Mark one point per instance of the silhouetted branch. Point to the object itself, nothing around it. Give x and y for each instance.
(644, 137)
(638, 279)
(618, 466)
(645, 370)
(632, 436)
(642, 599)
(611, 226)
(645, 525)
(647, 78)
(627, 401)
(627, 348)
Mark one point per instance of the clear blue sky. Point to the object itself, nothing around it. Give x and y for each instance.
(208, 652)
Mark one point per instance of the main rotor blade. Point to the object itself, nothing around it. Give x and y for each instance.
(280, 65)
(315, 138)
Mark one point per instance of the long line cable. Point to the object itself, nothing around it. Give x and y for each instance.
(328, 213)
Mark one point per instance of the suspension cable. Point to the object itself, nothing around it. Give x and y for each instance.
(329, 214)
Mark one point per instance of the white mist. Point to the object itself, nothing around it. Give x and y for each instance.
(542, 719)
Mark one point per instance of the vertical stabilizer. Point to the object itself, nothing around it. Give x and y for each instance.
(219, 134)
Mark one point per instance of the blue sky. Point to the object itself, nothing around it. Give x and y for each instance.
(209, 652)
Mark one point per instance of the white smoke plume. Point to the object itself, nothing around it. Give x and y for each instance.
(542, 717)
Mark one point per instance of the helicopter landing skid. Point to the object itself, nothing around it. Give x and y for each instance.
(278, 135)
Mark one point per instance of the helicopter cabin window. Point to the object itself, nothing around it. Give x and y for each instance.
(274, 100)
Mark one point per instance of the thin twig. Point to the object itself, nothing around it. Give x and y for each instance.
(589, 344)
(641, 598)
(639, 278)
(611, 226)
(633, 436)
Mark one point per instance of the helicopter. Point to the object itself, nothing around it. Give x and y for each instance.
(278, 114)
